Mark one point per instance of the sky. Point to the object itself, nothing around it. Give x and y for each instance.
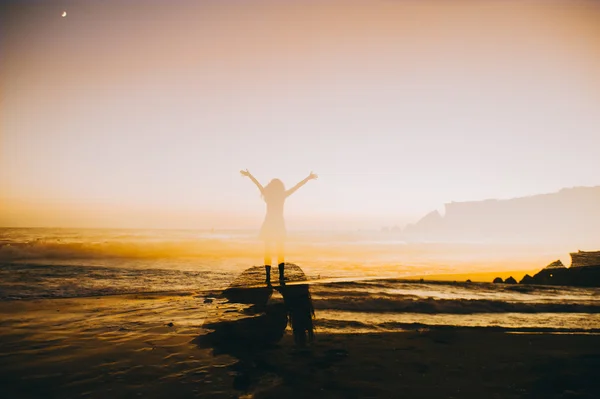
(142, 113)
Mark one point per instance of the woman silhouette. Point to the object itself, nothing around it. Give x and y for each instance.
(273, 230)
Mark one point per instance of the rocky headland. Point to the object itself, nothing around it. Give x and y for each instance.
(583, 272)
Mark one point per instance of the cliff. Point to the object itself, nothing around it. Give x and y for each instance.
(584, 272)
(570, 217)
(583, 259)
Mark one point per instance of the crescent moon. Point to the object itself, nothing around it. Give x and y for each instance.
(64, 14)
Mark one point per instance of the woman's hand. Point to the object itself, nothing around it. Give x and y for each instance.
(312, 176)
(245, 173)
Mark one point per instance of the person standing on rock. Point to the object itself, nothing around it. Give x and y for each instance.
(273, 231)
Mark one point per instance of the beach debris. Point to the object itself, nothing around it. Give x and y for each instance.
(170, 324)
(510, 280)
(498, 280)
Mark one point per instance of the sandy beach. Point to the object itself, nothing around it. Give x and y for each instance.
(154, 346)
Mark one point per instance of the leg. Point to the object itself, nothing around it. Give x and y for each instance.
(280, 259)
(268, 262)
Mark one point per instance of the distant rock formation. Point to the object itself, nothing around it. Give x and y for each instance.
(426, 227)
(527, 279)
(569, 217)
(582, 259)
(498, 280)
(584, 272)
(510, 280)
(557, 264)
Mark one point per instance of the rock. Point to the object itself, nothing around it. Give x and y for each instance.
(255, 277)
(582, 276)
(498, 280)
(557, 264)
(552, 274)
(208, 300)
(170, 324)
(577, 275)
(527, 279)
(510, 280)
(469, 281)
(584, 258)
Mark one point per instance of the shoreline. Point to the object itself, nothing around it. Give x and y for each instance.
(476, 278)
(154, 346)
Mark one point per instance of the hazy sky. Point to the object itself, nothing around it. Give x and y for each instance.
(142, 113)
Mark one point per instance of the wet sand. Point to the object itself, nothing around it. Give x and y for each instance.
(153, 346)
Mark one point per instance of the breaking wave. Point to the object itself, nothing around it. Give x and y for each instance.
(41, 249)
(23, 281)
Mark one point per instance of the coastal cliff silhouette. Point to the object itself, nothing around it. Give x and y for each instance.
(568, 217)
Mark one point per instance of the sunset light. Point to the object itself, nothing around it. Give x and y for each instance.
(300, 199)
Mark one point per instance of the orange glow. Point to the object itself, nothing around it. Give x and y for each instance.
(142, 118)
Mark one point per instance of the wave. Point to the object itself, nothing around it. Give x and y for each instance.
(28, 281)
(451, 306)
(24, 281)
(350, 325)
(54, 249)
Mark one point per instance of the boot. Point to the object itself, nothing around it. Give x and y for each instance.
(281, 270)
(268, 273)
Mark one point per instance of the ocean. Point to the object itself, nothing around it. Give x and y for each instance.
(362, 278)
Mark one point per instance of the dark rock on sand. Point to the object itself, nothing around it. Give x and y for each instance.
(498, 280)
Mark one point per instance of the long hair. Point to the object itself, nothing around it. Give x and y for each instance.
(274, 189)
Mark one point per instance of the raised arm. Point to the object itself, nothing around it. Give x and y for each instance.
(303, 182)
(248, 174)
